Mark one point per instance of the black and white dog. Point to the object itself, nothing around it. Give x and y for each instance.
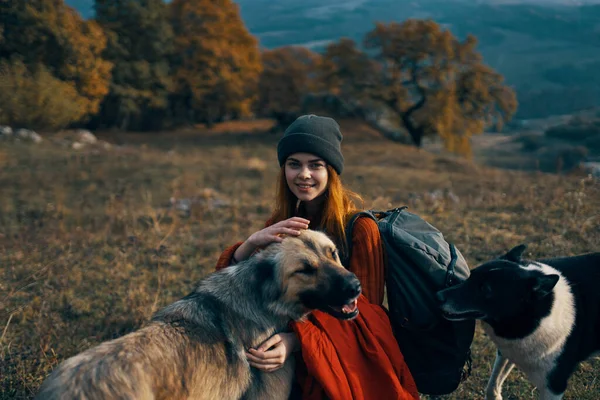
(543, 316)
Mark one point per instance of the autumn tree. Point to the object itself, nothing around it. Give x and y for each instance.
(345, 72)
(435, 83)
(289, 74)
(345, 69)
(48, 36)
(216, 63)
(432, 83)
(140, 42)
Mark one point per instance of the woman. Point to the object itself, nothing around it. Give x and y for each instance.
(356, 359)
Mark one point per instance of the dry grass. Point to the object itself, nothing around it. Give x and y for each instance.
(88, 250)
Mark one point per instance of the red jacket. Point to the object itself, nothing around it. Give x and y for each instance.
(358, 359)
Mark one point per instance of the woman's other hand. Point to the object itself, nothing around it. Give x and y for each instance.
(272, 354)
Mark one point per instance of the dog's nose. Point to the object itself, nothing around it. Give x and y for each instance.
(353, 288)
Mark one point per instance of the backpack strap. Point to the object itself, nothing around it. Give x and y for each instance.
(450, 278)
(375, 216)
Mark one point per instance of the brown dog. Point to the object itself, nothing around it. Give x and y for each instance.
(195, 347)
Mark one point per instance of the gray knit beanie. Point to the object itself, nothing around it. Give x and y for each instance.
(316, 135)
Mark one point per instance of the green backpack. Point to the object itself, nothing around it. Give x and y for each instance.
(419, 263)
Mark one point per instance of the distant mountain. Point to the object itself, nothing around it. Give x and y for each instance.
(540, 46)
(86, 7)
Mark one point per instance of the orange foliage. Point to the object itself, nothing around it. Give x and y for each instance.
(436, 84)
(288, 75)
(345, 69)
(217, 63)
(85, 65)
(49, 33)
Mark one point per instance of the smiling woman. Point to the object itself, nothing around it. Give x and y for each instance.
(306, 176)
(340, 359)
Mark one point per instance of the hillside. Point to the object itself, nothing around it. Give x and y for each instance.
(91, 245)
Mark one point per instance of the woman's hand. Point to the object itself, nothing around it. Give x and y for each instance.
(271, 355)
(291, 226)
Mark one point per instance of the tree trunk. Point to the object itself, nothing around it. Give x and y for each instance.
(124, 126)
(418, 139)
(390, 134)
(415, 132)
(416, 135)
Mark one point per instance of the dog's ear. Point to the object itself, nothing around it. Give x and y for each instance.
(267, 278)
(543, 285)
(515, 253)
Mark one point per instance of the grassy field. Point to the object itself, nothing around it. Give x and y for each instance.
(89, 247)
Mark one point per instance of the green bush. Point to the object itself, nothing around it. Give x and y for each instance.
(35, 99)
(577, 130)
(531, 142)
(593, 144)
(560, 158)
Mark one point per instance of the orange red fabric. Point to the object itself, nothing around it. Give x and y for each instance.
(358, 359)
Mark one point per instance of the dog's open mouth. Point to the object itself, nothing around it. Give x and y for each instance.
(462, 316)
(347, 311)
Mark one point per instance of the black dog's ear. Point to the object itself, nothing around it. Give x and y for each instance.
(515, 253)
(543, 285)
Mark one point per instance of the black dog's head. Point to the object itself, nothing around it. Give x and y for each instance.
(497, 290)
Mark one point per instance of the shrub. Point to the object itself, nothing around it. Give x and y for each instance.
(561, 157)
(36, 99)
(576, 130)
(593, 144)
(531, 142)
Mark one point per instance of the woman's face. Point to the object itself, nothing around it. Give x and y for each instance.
(306, 176)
